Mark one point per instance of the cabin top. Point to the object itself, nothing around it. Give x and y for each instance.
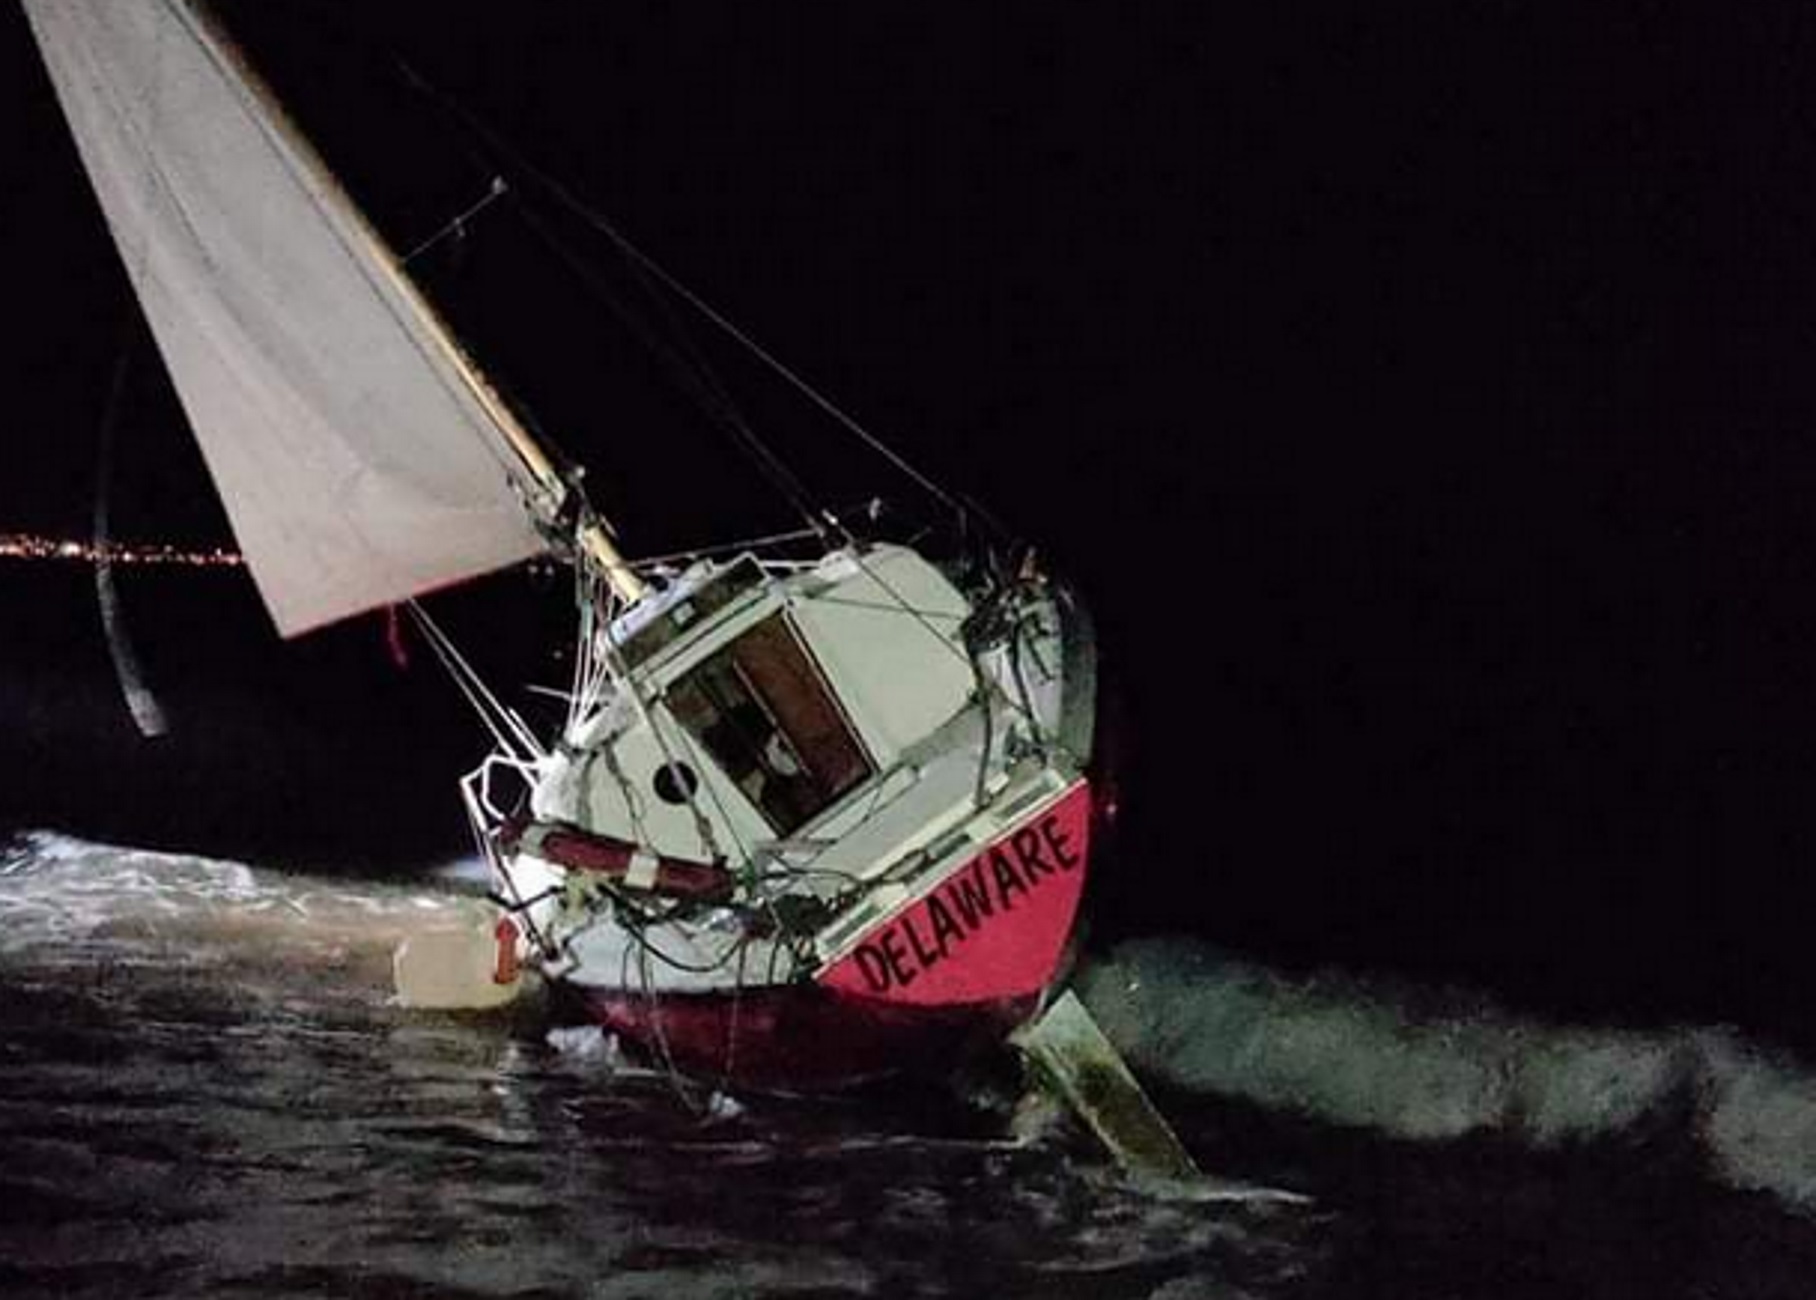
(768, 697)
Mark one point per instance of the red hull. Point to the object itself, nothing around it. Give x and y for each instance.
(800, 1038)
(955, 967)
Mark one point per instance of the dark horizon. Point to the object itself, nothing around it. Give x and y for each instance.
(1421, 399)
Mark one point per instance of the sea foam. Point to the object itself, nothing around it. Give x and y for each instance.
(1421, 1066)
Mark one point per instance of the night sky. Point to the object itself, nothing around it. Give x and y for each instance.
(1421, 394)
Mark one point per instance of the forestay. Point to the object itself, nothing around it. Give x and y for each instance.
(361, 458)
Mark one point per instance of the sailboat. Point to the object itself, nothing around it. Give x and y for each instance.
(805, 820)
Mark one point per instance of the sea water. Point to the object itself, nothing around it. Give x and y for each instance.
(205, 1090)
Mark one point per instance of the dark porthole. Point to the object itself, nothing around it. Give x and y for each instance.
(676, 783)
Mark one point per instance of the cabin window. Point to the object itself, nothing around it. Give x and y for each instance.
(765, 714)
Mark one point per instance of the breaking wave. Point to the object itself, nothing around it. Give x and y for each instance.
(71, 902)
(1417, 1066)
(201, 1095)
(1399, 1061)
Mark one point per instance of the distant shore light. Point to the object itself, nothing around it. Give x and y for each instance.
(28, 546)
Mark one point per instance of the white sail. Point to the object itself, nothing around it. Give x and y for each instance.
(361, 458)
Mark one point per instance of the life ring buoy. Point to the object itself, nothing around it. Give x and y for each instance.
(622, 862)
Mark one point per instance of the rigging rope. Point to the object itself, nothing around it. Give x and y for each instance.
(508, 730)
(807, 390)
(694, 376)
(818, 517)
(686, 365)
(960, 505)
(457, 224)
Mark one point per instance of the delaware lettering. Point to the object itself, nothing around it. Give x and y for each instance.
(989, 886)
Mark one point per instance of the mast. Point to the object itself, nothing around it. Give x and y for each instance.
(552, 491)
(361, 455)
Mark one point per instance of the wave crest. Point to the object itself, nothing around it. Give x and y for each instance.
(1423, 1066)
